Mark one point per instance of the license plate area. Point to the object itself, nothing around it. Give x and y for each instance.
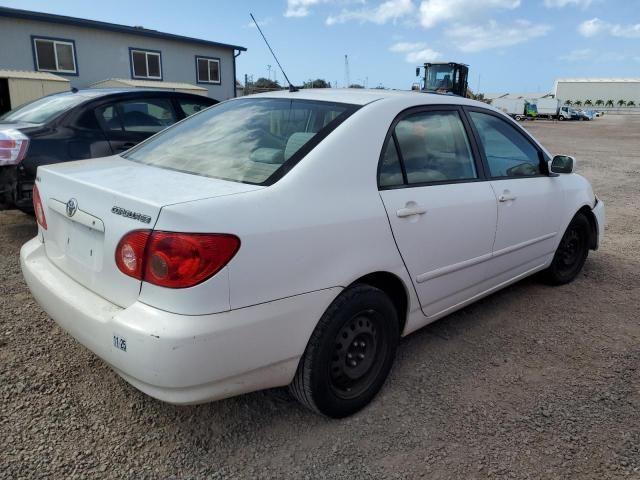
(75, 246)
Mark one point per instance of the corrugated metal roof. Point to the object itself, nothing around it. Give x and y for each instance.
(31, 75)
(150, 84)
(491, 96)
(114, 27)
(599, 80)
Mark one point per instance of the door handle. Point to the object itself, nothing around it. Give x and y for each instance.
(505, 197)
(410, 211)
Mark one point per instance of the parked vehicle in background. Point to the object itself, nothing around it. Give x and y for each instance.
(517, 108)
(292, 238)
(550, 108)
(585, 114)
(79, 125)
(567, 113)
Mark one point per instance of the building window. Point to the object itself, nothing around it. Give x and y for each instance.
(146, 64)
(55, 55)
(208, 70)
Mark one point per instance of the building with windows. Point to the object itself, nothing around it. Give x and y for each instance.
(87, 52)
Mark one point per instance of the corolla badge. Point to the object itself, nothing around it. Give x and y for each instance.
(72, 207)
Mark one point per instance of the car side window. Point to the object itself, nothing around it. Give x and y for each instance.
(509, 153)
(145, 115)
(390, 174)
(88, 120)
(189, 106)
(434, 147)
(109, 118)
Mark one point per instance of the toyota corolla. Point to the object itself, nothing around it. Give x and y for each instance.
(292, 238)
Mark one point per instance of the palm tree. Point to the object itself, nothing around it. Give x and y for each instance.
(599, 103)
(568, 103)
(588, 103)
(578, 103)
(621, 103)
(609, 103)
(631, 103)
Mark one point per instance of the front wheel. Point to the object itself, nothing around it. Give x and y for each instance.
(561, 118)
(571, 253)
(349, 354)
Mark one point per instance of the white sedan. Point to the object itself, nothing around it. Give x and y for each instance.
(291, 238)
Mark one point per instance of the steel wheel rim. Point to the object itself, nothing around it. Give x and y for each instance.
(570, 250)
(357, 356)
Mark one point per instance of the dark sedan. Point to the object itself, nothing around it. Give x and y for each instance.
(79, 125)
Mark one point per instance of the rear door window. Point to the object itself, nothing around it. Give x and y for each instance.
(190, 106)
(433, 147)
(146, 115)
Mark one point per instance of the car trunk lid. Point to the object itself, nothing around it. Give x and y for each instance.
(90, 205)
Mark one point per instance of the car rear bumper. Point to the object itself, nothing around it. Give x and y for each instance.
(178, 358)
(601, 219)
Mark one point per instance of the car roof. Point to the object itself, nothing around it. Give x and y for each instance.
(362, 96)
(95, 93)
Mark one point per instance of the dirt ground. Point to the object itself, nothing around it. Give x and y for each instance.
(533, 382)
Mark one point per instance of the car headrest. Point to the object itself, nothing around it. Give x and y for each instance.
(295, 142)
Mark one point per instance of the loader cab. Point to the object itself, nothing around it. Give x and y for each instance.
(445, 78)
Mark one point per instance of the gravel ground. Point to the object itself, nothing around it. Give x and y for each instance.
(533, 382)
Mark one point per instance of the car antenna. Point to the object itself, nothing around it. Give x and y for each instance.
(292, 88)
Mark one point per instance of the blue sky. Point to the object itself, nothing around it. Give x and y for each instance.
(510, 45)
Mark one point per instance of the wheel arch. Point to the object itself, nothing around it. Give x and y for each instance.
(394, 287)
(593, 223)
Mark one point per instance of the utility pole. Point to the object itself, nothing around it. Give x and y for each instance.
(269, 71)
(347, 81)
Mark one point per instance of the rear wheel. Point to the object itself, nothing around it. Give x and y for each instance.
(571, 253)
(349, 354)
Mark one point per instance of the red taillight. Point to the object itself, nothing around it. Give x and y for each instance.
(174, 260)
(37, 207)
(13, 146)
(130, 253)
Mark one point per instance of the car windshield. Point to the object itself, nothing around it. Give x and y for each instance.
(43, 109)
(252, 140)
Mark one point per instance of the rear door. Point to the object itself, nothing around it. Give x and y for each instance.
(441, 211)
(128, 122)
(530, 202)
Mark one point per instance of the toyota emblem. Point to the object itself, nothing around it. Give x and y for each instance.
(72, 207)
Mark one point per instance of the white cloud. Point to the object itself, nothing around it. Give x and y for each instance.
(433, 12)
(391, 10)
(300, 8)
(470, 38)
(417, 52)
(595, 26)
(592, 27)
(564, 3)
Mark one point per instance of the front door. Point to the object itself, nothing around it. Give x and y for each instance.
(442, 213)
(530, 203)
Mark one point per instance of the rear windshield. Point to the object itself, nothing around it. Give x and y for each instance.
(252, 140)
(43, 109)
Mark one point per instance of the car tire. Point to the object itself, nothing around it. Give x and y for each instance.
(350, 353)
(571, 253)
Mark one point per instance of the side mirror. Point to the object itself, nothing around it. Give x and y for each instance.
(417, 71)
(562, 164)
